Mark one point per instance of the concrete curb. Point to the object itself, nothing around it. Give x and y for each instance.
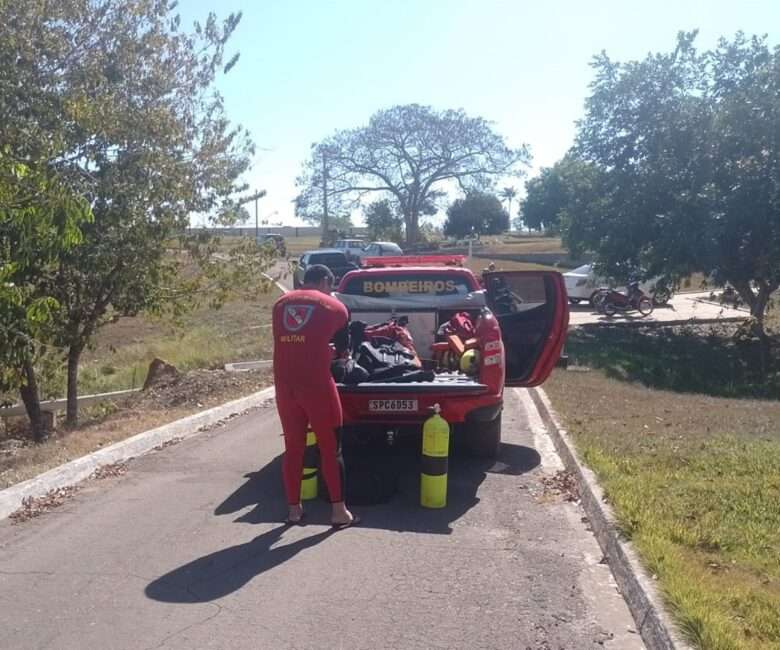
(77, 470)
(55, 405)
(245, 366)
(653, 623)
(279, 286)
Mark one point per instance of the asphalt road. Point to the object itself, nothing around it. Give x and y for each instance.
(186, 550)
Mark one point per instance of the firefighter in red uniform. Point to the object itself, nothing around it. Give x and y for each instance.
(304, 323)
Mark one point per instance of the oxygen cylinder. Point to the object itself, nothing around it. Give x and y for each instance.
(435, 455)
(310, 458)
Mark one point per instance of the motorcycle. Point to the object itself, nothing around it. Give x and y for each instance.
(614, 301)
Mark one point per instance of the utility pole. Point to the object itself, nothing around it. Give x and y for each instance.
(254, 197)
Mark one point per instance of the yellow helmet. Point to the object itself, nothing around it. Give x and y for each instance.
(469, 362)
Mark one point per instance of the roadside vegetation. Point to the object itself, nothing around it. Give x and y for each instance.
(198, 347)
(682, 424)
(689, 458)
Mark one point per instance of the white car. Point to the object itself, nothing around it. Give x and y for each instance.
(381, 249)
(582, 284)
(352, 248)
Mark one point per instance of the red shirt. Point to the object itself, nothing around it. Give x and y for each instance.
(304, 322)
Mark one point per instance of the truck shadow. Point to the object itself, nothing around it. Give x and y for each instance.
(383, 485)
(218, 574)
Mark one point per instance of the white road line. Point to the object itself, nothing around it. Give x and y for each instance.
(282, 288)
(542, 441)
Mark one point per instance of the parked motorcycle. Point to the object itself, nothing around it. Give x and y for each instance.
(614, 301)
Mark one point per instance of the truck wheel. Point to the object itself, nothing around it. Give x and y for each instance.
(483, 439)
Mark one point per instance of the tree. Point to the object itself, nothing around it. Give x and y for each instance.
(143, 136)
(687, 144)
(409, 154)
(382, 221)
(508, 194)
(39, 219)
(557, 193)
(478, 213)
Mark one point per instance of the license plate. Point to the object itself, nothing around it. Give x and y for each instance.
(392, 405)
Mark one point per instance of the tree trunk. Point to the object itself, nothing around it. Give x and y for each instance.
(325, 221)
(758, 311)
(758, 303)
(32, 403)
(72, 416)
(412, 228)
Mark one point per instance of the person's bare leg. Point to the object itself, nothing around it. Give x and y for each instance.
(340, 515)
(294, 513)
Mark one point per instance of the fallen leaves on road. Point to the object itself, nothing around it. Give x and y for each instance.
(35, 506)
(168, 443)
(563, 484)
(109, 471)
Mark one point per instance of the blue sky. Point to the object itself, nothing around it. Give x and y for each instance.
(309, 67)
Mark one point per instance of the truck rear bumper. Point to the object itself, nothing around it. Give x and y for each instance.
(455, 407)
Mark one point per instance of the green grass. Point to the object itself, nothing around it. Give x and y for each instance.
(524, 244)
(703, 359)
(206, 339)
(477, 265)
(694, 481)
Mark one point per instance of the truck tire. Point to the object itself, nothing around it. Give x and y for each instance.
(483, 439)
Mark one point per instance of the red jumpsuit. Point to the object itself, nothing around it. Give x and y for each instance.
(304, 322)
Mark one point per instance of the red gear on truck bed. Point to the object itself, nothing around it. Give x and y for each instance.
(304, 322)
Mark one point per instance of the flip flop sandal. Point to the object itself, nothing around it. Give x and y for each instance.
(353, 522)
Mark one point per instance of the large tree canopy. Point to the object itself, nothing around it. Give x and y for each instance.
(478, 213)
(121, 102)
(687, 143)
(407, 154)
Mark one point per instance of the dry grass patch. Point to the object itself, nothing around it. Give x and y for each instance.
(207, 338)
(198, 347)
(109, 423)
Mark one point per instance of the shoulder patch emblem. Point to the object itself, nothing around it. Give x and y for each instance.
(296, 316)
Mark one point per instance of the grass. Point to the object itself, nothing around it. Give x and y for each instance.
(119, 359)
(477, 265)
(685, 359)
(522, 244)
(694, 478)
(207, 338)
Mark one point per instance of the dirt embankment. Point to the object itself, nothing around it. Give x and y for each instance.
(169, 399)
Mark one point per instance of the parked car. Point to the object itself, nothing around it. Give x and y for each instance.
(380, 249)
(352, 247)
(273, 239)
(582, 283)
(334, 259)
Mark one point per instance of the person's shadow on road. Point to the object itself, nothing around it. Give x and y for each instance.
(220, 573)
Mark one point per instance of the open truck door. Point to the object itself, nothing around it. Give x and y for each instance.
(532, 309)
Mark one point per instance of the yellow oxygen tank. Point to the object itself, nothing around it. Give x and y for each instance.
(435, 455)
(309, 479)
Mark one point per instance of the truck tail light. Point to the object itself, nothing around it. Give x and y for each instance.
(491, 372)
